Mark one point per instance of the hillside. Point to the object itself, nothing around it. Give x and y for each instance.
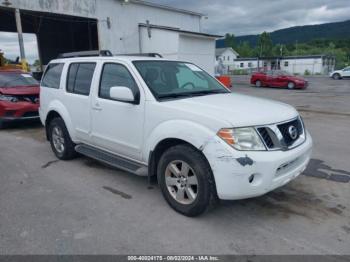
(302, 34)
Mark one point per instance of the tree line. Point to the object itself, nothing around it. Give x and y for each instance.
(340, 48)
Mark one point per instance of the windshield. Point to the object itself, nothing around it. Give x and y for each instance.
(281, 73)
(16, 79)
(170, 79)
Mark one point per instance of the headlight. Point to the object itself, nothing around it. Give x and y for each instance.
(245, 139)
(8, 98)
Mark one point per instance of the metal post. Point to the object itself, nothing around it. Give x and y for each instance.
(20, 34)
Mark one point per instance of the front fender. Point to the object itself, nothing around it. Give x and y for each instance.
(192, 133)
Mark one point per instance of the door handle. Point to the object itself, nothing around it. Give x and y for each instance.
(97, 107)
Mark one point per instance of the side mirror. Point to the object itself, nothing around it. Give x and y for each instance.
(122, 93)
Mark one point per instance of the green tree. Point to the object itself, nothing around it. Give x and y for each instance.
(245, 50)
(265, 45)
(230, 40)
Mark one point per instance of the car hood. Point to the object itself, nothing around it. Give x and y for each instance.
(20, 90)
(236, 109)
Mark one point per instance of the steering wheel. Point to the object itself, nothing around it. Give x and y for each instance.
(188, 83)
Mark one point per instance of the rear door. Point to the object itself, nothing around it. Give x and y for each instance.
(79, 78)
(116, 125)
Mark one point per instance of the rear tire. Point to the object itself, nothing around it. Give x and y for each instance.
(258, 83)
(186, 180)
(61, 143)
(336, 76)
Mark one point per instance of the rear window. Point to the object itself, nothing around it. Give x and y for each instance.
(52, 77)
(17, 79)
(80, 77)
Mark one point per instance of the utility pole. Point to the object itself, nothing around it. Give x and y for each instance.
(20, 34)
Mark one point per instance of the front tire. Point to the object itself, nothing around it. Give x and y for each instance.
(61, 143)
(258, 83)
(186, 180)
(336, 76)
(291, 85)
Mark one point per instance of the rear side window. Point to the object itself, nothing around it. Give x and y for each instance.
(116, 75)
(52, 76)
(79, 78)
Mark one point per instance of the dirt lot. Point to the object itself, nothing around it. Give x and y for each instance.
(82, 207)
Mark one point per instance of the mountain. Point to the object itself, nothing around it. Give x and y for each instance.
(302, 34)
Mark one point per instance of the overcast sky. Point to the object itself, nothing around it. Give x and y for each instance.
(240, 17)
(9, 45)
(243, 17)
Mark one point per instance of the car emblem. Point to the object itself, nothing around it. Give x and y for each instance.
(293, 132)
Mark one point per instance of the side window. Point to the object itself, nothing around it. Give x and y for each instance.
(79, 78)
(52, 76)
(116, 75)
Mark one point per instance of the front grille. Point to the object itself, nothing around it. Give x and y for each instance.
(266, 137)
(29, 98)
(31, 114)
(284, 129)
(282, 136)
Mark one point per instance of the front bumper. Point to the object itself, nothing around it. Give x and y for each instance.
(18, 111)
(302, 85)
(240, 175)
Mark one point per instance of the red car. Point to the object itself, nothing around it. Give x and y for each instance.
(19, 96)
(278, 78)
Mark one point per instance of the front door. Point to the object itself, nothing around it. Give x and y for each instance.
(346, 72)
(118, 126)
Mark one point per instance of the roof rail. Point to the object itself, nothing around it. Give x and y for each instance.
(142, 54)
(86, 53)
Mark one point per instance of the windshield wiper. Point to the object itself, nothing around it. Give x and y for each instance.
(175, 95)
(208, 92)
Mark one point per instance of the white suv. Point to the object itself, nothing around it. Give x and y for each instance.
(339, 74)
(173, 121)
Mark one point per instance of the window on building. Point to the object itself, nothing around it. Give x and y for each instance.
(286, 64)
(228, 58)
(116, 75)
(242, 65)
(223, 58)
(52, 78)
(265, 64)
(249, 64)
(80, 77)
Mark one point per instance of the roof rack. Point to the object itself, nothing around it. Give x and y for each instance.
(86, 54)
(142, 54)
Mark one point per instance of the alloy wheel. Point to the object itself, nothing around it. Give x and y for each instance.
(58, 139)
(181, 182)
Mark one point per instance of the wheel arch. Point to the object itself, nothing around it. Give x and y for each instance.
(58, 110)
(166, 136)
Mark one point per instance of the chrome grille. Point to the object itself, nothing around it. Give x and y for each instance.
(285, 133)
(266, 137)
(278, 137)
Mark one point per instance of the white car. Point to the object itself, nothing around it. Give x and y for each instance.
(173, 121)
(339, 74)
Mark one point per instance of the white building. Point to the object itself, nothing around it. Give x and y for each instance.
(312, 64)
(226, 56)
(122, 26)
